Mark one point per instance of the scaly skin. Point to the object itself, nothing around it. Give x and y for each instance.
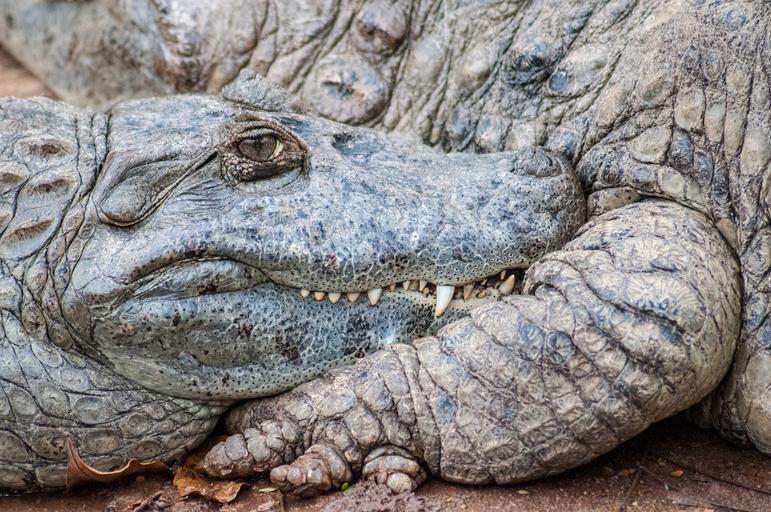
(151, 272)
(48, 162)
(614, 333)
(666, 100)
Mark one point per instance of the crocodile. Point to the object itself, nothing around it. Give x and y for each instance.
(180, 254)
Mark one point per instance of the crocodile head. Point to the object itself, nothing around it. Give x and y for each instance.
(234, 248)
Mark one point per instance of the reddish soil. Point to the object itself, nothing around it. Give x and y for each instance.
(672, 467)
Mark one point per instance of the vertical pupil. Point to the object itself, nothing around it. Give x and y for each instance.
(258, 148)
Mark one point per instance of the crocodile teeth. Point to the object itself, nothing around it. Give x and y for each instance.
(503, 275)
(508, 285)
(467, 290)
(406, 285)
(319, 295)
(391, 287)
(444, 295)
(374, 295)
(422, 284)
(333, 297)
(353, 297)
(305, 292)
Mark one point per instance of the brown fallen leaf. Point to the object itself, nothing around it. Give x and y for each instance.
(189, 477)
(677, 473)
(79, 473)
(188, 481)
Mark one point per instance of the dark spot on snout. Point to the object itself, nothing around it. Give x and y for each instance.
(289, 345)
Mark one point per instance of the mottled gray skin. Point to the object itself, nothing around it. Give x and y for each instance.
(663, 108)
(138, 253)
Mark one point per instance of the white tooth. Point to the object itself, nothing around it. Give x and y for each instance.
(422, 284)
(305, 292)
(444, 295)
(406, 285)
(374, 295)
(353, 297)
(503, 275)
(391, 287)
(483, 281)
(508, 285)
(414, 285)
(319, 295)
(467, 289)
(333, 297)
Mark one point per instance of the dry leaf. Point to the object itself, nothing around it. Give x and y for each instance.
(188, 481)
(677, 473)
(79, 473)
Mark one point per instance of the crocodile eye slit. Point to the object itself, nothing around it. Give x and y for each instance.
(261, 148)
(259, 152)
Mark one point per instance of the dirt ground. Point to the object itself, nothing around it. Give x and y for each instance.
(671, 467)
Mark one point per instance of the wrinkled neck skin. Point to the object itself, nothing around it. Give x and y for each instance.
(199, 270)
(50, 154)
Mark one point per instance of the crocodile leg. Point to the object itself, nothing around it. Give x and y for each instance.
(48, 395)
(634, 320)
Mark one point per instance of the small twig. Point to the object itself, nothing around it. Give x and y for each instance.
(656, 477)
(145, 503)
(281, 502)
(712, 505)
(636, 481)
(717, 478)
(629, 492)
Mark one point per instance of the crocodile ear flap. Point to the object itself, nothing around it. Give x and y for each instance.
(139, 187)
(254, 91)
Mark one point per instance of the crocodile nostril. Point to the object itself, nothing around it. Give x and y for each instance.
(536, 162)
(343, 142)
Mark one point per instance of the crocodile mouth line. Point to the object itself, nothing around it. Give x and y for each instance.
(224, 275)
(504, 283)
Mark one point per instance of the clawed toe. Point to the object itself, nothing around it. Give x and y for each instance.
(321, 469)
(242, 455)
(394, 468)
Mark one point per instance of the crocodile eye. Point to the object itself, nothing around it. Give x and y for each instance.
(261, 148)
(260, 151)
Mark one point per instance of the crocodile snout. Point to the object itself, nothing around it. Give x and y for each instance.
(305, 241)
